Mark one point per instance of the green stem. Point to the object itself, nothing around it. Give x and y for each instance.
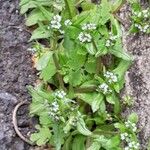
(119, 7)
(59, 77)
(98, 60)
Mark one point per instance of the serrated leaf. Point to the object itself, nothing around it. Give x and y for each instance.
(41, 137)
(58, 136)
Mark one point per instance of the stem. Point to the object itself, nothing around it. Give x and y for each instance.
(59, 77)
(118, 8)
(98, 60)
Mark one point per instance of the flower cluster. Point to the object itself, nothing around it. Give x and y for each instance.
(111, 41)
(68, 22)
(144, 28)
(144, 13)
(104, 88)
(111, 77)
(131, 125)
(89, 26)
(142, 25)
(56, 22)
(132, 145)
(60, 94)
(53, 109)
(84, 37)
(108, 116)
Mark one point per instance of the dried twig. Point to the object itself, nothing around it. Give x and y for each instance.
(14, 120)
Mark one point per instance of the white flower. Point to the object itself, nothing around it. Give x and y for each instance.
(111, 40)
(124, 136)
(89, 26)
(84, 37)
(55, 22)
(126, 148)
(104, 88)
(139, 14)
(60, 94)
(108, 43)
(62, 31)
(68, 22)
(111, 77)
(131, 125)
(145, 11)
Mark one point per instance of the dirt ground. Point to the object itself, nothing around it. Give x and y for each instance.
(16, 73)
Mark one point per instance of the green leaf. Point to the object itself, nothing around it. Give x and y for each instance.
(87, 97)
(122, 68)
(90, 65)
(113, 99)
(68, 144)
(118, 51)
(46, 65)
(97, 102)
(40, 33)
(35, 16)
(81, 127)
(25, 6)
(75, 77)
(49, 71)
(73, 32)
(117, 4)
(70, 8)
(133, 118)
(73, 63)
(105, 11)
(58, 136)
(44, 60)
(95, 146)
(90, 48)
(120, 126)
(41, 137)
(79, 142)
(45, 119)
(113, 142)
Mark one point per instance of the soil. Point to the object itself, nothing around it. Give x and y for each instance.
(16, 72)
